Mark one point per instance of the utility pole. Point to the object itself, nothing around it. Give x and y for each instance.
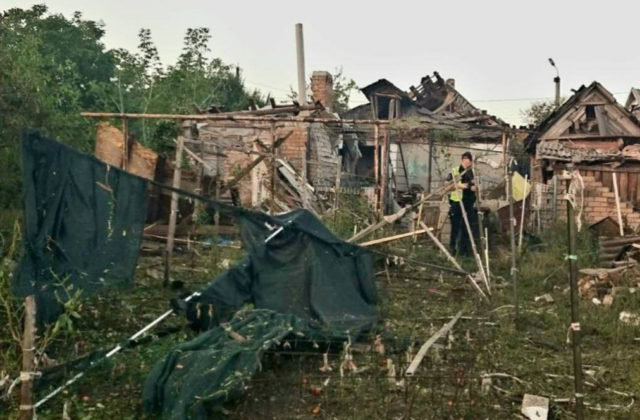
(575, 302)
(556, 80)
(302, 87)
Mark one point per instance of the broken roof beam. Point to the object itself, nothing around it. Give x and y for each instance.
(231, 117)
(252, 165)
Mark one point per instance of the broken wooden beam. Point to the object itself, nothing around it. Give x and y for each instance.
(402, 212)
(453, 261)
(427, 345)
(394, 237)
(193, 154)
(252, 165)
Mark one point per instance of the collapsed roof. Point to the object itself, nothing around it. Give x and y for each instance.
(434, 100)
(591, 114)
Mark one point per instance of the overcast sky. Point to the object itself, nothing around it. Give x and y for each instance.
(496, 50)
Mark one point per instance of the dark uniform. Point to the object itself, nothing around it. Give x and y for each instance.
(459, 242)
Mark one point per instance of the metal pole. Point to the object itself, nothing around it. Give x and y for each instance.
(557, 81)
(575, 315)
(302, 87)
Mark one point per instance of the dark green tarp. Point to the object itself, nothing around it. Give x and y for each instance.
(195, 378)
(83, 225)
(304, 281)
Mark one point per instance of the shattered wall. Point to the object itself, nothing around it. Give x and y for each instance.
(314, 144)
(487, 163)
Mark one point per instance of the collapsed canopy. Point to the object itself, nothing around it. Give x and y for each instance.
(304, 281)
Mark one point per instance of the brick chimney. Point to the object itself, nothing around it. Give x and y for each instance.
(322, 88)
(451, 83)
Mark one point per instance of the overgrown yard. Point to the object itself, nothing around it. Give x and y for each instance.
(479, 371)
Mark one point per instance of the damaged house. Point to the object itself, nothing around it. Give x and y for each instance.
(432, 125)
(601, 139)
(422, 156)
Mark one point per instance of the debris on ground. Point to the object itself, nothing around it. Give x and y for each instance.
(535, 407)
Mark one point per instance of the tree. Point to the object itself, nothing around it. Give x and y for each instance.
(50, 69)
(538, 112)
(53, 68)
(342, 88)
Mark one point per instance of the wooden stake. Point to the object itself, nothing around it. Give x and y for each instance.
(524, 203)
(384, 179)
(451, 259)
(617, 195)
(425, 347)
(419, 219)
(28, 359)
(376, 168)
(486, 251)
(177, 173)
(575, 307)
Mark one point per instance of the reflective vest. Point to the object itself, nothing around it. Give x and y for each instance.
(455, 195)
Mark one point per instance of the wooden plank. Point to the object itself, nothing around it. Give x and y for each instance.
(632, 188)
(194, 155)
(173, 215)
(393, 238)
(427, 345)
(376, 166)
(607, 179)
(602, 168)
(602, 120)
(451, 259)
(617, 195)
(623, 185)
(385, 173)
(252, 165)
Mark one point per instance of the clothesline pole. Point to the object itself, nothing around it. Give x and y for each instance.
(28, 359)
(173, 215)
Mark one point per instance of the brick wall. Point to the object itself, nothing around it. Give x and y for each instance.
(322, 88)
(599, 202)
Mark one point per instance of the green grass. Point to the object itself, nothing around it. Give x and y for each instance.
(416, 302)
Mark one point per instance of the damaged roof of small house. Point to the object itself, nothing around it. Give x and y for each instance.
(592, 113)
(433, 100)
(568, 152)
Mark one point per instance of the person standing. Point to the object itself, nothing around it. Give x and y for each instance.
(463, 195)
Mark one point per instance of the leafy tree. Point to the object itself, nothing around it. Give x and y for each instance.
(53, 68)
(538, 111)
(342, 88)
(50, 69)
